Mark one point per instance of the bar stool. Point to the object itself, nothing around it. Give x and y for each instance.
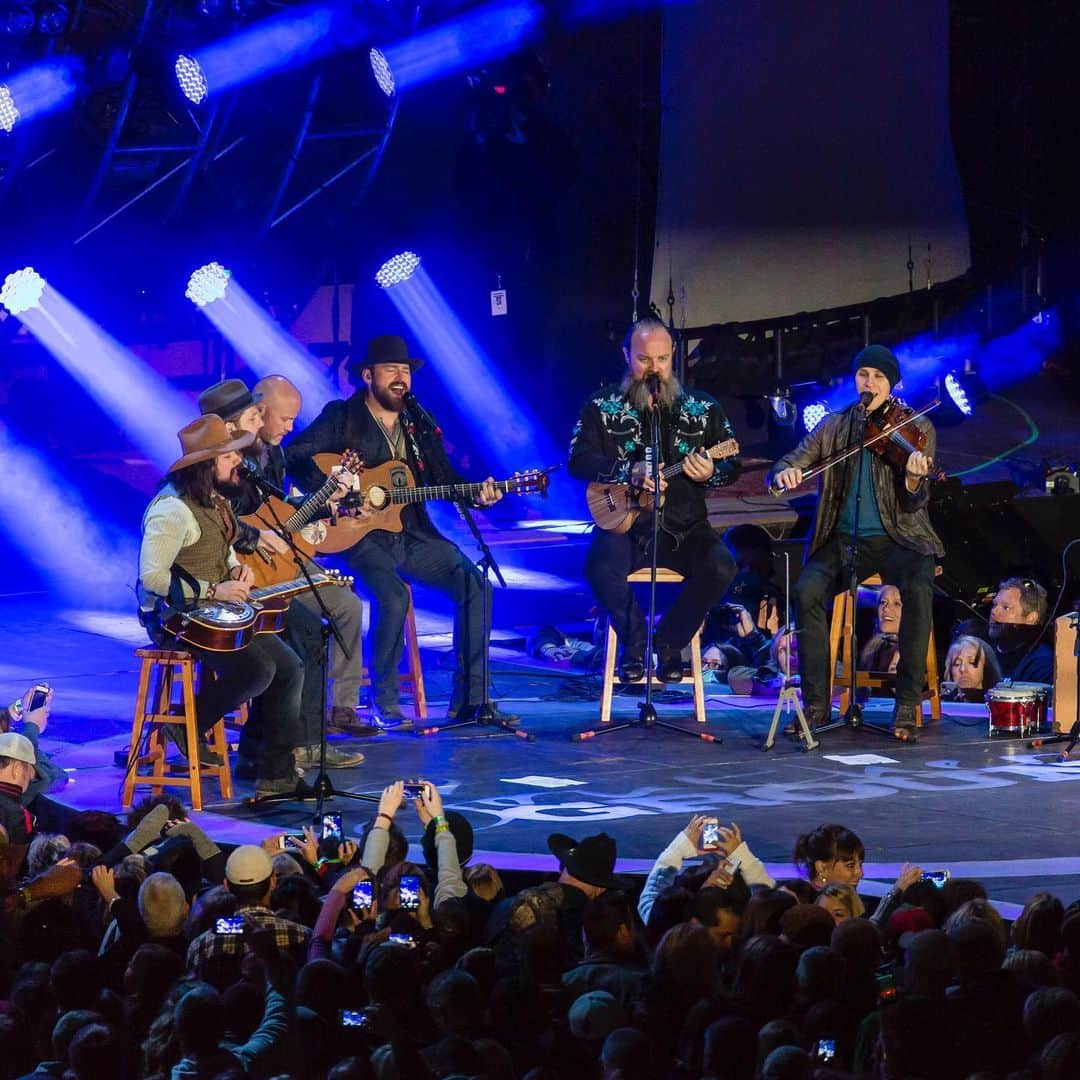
(840, 657)
(413, 675)
(663, 576)
(161, 671)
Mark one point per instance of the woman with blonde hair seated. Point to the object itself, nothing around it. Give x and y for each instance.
(971, 668)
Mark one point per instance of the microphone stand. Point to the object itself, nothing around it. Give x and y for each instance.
(323, 789)
(853, 717)
(647, 716)
(486, 564)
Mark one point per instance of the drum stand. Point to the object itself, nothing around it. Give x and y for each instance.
(1073, 736)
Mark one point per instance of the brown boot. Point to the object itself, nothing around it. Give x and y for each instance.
(345, 719)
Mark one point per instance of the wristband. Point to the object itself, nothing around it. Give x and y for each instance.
(383, 813)
(438, 819)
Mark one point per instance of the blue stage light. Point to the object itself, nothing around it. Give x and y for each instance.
(955, 389)
(22, 290)
(813, 414)
(381, 70)
(9, 114)
(207, 284)
(396, 270)
(191, 79)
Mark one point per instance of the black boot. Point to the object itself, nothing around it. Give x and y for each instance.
(632, 664)
(669, 667)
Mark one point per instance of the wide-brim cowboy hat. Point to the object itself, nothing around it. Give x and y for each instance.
(227, 398)
(208, 437)
(384, 349)
(591, 860)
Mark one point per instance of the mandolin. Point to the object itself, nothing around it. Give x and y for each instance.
(615, 507)
(229, 625)
(278, 515)
(388, 488)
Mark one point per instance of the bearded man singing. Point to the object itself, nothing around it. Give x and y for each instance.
(608, 445)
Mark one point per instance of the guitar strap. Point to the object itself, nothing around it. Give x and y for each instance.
(175, 601)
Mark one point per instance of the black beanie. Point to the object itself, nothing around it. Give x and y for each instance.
(877, 356)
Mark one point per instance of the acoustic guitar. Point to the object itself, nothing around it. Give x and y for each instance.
(229, 625)
(615, 507)
(388, 488)
(278, 515)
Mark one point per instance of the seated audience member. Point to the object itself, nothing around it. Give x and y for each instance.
(1015, 631)
(841, 902)
(971, 668)
(882, 651)
(766, 675)
(833, 853)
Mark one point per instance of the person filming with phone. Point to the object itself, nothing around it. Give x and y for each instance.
(29, 716)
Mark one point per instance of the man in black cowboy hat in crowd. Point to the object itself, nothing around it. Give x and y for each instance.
(381, 425)
(246, 410)
(586, 869)
(187, 554)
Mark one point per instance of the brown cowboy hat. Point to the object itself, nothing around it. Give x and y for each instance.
(208, 437)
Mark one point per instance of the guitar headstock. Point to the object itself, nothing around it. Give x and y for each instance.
(727, 449)
(531, 480)
(352, 462)
(338, 578)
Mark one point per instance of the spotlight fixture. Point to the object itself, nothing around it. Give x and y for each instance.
(958, 395)
(380, 68)
(397, 270)
(22, 290)
(783, 408)
(813, 413)
(9, 114)
(191, 79)
(207, 284)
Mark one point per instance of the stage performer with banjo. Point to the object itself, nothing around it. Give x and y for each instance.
(895, 537)
(698, 451)
(187, 556)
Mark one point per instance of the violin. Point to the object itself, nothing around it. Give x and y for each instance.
(890, 432)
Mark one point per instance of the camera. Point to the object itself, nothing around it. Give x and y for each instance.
(938, 877)
(413, 789)
(232, 924)
(409, 892)
(330, 827)
(362, 896)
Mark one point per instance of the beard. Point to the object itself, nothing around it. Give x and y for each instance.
(1012, 637)
(636, 391)
(386, 400)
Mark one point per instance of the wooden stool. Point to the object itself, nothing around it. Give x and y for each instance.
(840, 651)
(413, 675)
(154, 706)
(610, 645)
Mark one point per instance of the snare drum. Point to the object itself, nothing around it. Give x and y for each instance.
(1013, 711)
(1042, 703)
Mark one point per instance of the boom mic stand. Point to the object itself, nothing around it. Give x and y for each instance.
(647, 717)
(853, 717)
(485, 711)
(323, 789)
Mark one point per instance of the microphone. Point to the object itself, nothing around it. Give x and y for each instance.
(864, 401)
(421, 412)
(264, 485)
(653, 383)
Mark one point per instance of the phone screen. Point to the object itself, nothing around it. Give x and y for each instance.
(938, 877)
(330, 827)
(413, 790)
(825, 1050)
(362, 896)
(409, 892)
(285, 841)
(234, 924)
(403, 939)
(710, 833)
(354, 1018)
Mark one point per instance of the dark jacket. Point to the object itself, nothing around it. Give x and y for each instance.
(611, 436)
(349, 425)
(1022, 666)
(903, 513)
(15, 819)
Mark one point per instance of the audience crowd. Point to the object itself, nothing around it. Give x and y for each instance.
(149, 950)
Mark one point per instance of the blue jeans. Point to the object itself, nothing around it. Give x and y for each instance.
(380, 562)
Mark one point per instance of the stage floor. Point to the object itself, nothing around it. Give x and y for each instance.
(985, 808)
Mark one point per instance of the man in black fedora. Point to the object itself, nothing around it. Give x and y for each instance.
(586, 870)
(381, 423)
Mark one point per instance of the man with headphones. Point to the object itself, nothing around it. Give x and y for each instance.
(381, 425)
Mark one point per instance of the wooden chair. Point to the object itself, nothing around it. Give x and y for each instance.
(155, 705)
(840, 658)
(413, 675)
(611, 644)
